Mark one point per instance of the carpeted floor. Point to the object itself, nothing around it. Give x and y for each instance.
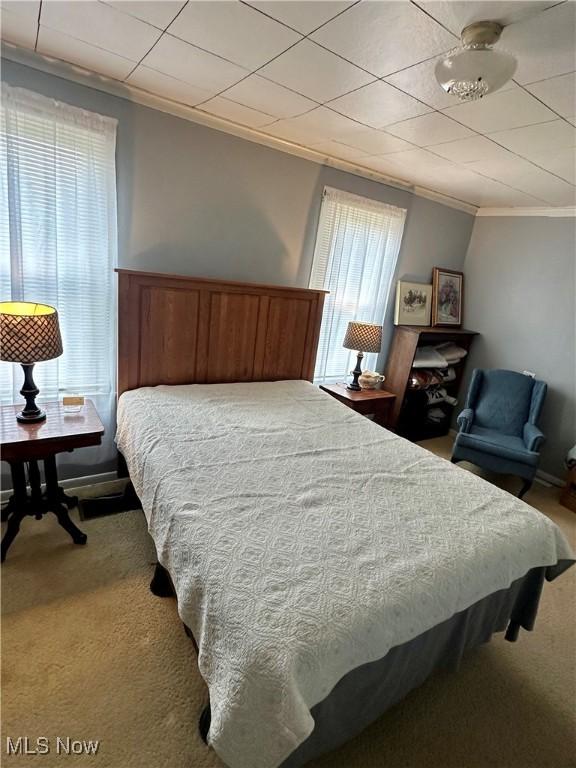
(89, 653)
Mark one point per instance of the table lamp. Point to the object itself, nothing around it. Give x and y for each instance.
(29, 333)
(361, 337)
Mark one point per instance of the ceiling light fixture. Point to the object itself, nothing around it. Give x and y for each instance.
(476, 69)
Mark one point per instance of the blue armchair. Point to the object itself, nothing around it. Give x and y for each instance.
(497, 428)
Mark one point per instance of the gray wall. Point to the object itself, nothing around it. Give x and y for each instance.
(520, 288)
(193, 200)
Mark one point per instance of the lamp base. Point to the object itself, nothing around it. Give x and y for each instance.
(31, 414)
(27, 417)
(354, 386)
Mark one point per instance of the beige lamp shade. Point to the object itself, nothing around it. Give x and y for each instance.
(363, 337)
(29, 333)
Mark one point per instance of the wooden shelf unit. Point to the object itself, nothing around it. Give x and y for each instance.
(408, 415)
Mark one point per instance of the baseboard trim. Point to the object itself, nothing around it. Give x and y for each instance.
(72, 482)
(544, 478)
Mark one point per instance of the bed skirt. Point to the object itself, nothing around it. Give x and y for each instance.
(366, 692)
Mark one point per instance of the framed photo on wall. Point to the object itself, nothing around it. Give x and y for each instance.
(447, 297)
(413, 303)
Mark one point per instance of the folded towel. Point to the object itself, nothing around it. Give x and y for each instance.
(429, 357)
(451, 352)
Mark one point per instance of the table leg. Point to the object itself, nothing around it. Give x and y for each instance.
(35, 488)
(19, 502)
(55, 504)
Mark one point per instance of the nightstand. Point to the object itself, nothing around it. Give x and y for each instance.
(24, 445)
(367, 401)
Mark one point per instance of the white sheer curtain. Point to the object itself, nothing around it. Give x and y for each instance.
(356, 251)
(58, 241)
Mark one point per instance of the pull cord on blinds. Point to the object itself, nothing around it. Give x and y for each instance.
(58, 241)
(357, 246)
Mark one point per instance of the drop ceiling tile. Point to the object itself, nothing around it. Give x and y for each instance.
(159, 13)
(374, 142)
(303, 15)
(561, 162)
(378, 104)
(168, 87)
(508, 172)
(418, 162)
(388, 167)
(463, 184)
(186, 62)
(234, 31)
(501, 196)
(457, 14)
(536, 139)
(485, 192)
(471, 150)
(100, 25)
(264, 95)
(524, 176)
(560, 197)
(341, 151)
(315, 126)
(544, 44)
(559, 93)
(420, 81)
(28, 8)
(236, 113)
(314, 72)
(500, 111)
(73, 51)
(430, 129)
(448, 179)
(384, 37)
(20, 22)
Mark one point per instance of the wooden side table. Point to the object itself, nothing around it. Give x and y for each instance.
(24, 445)
(367, 401)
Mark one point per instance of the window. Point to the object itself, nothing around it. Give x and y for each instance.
(58, 238)
(355, 257)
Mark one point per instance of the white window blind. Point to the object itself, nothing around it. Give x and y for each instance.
(356, 251)
(58, 238)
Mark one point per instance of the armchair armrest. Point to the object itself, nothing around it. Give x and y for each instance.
(533, 437)
(465, 419)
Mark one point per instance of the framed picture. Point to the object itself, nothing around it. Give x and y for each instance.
(413, 303)
(447, 297)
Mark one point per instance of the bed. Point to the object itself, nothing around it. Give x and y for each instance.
(323, 565)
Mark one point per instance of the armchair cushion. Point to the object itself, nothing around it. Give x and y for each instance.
(533, 437)
(508, 447)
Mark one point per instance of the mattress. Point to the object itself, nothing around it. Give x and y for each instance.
(304, 542)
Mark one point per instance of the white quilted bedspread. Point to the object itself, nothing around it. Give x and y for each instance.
(304, 540)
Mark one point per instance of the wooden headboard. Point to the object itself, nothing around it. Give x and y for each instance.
(184, 330)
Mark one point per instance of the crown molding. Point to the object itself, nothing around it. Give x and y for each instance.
(567, 212)
(130, 93)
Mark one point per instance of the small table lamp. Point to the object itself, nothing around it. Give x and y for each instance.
(29, 333)
(362, 337)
